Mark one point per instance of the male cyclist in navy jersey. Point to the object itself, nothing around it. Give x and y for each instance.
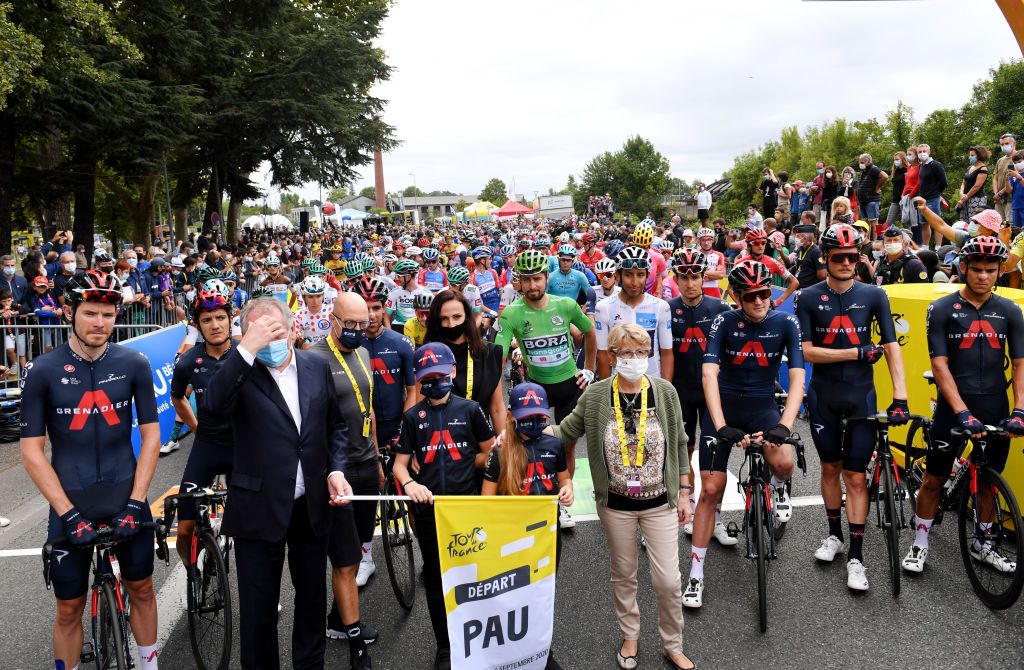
(741, 366)
(970, 334)
(81, 395)
(836, 321)
(692, 313)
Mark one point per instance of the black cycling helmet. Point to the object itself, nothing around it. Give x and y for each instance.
(983, 248)
(371, 289)
(749, 274)
(93, 286)
(689, 261)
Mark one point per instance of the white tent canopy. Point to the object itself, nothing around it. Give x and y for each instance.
(261, 221)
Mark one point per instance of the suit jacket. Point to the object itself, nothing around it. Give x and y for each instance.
(268, 447)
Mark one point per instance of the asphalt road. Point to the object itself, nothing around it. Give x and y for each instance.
(815, 622)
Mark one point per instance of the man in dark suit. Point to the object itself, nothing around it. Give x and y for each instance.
(290, 445)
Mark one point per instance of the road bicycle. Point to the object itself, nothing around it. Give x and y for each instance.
(759, 521)
(208, 591)
(885, 490)
(397, 538)
(109, 608)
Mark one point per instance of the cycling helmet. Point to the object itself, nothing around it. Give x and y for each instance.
(307, 263)
(613, 247)
(604, 266)
(634, 258)
(526, 243)
(543, 240)
(317, 270)
(481, 252)
(667, 247)
(213, 294)
(229, 276)
(93, 286)
(313, 285)
(507, 250)
(689, 261)
(406, 267)
(643, 235)
(839, 236)
(588, 238)
(705, 232)
(261, 292)
(353, 269)
(276, 260)
(531, 262)
(566, 250)
(430, 254)
(101, 257)
(513, 276)
(360, 256)
(983, 247)
(458, 276)
(390, 258)
(422, 298)
(206, 274)
(755, 235)
(413, 251)
(579, 267)
(369, 264)
(749, 274)
(371, 289)
(367, 244)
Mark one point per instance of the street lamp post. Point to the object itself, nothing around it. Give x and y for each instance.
(415, 197)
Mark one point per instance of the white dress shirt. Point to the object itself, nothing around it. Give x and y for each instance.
(287, 381)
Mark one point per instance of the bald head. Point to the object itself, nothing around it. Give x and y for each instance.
(350, 307)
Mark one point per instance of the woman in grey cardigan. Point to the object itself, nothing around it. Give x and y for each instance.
(637, 451)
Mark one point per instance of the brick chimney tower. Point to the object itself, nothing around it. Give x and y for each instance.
(378, 179)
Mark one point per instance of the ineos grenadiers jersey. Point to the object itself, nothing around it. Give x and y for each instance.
(399, 305)
(545, 458)
(313, 327)
(749, 354)
(975, 341)
(86, 409)
(840, 321)
(195, 368)
(445, 440)
(391, 365)
(651, 314)
(543, 335)
(690, 328)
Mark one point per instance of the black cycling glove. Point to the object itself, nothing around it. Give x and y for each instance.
(898, 412)
(970, 423)
(872, 353)
(127, 522)
(730, 435)
(78, 529)
(1014, 425)
(777, 435)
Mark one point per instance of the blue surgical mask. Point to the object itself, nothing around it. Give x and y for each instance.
(532, 427)
(437, 388)
(972, 159)
(820, 170)
(274, 354)
(134, 262)
(9, 272)
(1006, 148)
(897, 163)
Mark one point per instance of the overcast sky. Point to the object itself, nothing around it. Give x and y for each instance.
(530, 91)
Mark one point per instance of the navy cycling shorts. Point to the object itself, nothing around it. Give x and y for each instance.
(828, 405)
(694, 408)
(70, 566)
(205, 462)
(749, 414)
(990, 409)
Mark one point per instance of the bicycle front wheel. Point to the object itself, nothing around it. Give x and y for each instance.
(759, 528)
(889, 516)
(991, 540)
(914, 450)
(396, 536)
(209, 606)
(108, 639)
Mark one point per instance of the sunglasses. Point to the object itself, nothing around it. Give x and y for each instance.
(754, 296)
(849, 257)
(630, 264)
(607, 275)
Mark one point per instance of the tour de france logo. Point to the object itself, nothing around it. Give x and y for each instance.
(466, 544)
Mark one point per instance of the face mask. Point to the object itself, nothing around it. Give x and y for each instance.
(751, 211)
(227, 258)
(437, 388)
(452, 333)
(123, 276)
(922, 155)
(274, 354)
(972, 159)
(1006, 148)
(863, 166)
(1018, 166)
(632, 370)
(893, 248)
(532, 427)
(972, 229)
(351, 339)
(70, 267)
(876, 254)
(134, 262)
(248, 259)
(898, 163)
(828, 175)
(820, 170)
(9, 272)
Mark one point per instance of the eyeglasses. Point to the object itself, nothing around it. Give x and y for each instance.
(754, 296)
(759, 243)
(849, 257)
(351, 325)
(607, 275)
(634, 355)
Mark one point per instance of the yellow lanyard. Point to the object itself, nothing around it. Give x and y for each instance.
(355, 386)
(641, 433)
(469, 373)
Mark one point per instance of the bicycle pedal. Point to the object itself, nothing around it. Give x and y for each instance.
(732, 530)
(88, 655)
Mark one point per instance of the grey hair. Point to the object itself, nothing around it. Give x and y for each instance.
(867, 157)
(6, 257)
(261, 306)
(68, 253)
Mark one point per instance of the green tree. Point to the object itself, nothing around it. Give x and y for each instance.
(413, 191)
(368, 192)
(337, 193)
(461, 205)
(494, 191)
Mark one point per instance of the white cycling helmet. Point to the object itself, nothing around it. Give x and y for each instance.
(413, 251)
(604, 265)
(313, 285)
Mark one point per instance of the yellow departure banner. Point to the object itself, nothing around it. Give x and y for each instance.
(498, 576)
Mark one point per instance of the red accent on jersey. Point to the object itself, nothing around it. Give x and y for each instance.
(99, 400)
(980, 329)
(751, 349)
(841, 324)
(377, 365)
(693, 335)
(536, 470)
(442, 439)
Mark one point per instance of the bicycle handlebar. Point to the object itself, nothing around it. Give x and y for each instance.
(104, 535)
(880, 417)
(793, 439)
(998, 431)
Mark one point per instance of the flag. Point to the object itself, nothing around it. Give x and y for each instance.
(159, 346)
(498, 576)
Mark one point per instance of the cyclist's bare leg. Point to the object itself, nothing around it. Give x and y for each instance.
(712, 486)
(183, 540)
(780, 460)
(985, 509)
(343, 583)
(831, 490)
(143, 617)
(856, 496)
(928, 496)
(67, 631)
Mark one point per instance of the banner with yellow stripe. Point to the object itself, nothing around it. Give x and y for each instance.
(498, 576)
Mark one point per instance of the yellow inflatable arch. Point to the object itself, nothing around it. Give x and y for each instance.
(1013, 11)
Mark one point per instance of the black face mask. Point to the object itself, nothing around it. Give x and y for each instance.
(452, 333)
